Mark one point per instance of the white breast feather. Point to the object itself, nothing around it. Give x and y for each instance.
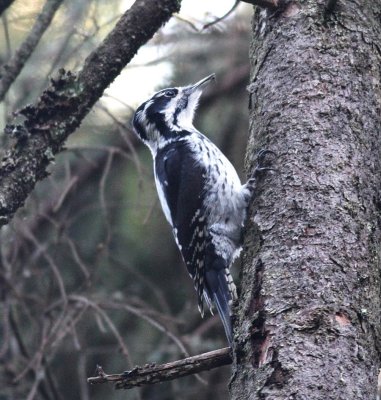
(163, 201)
(226, 198)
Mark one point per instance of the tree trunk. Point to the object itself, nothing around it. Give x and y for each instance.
(308, 319)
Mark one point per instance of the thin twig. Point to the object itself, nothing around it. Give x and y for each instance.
(123, 129)
(102, 196)
(81, 371)
(77, 258)
(158, 325)
(12, 69)
(86, 38)
(107, 320)
(39, 375)
(6, 34)
(152, 373)
(185, 20)
(157, 292)
(216, 21)
(65, 192)
(6, 328)
(101, 148)
(34, 363)
(153, 205)
(49, 259)
(68, 326)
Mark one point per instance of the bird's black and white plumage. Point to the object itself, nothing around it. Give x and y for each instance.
(200, 193)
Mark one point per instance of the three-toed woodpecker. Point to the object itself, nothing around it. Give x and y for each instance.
(200, 193)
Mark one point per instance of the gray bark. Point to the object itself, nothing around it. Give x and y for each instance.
(308, 318)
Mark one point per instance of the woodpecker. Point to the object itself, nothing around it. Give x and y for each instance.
(200, 192)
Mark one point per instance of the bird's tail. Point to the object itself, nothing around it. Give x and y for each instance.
(222, 301)
(221, 291)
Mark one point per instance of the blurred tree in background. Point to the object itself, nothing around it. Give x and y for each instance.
(89, 271)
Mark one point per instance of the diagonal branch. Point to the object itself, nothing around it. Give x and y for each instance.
(216, 21)
(152, 373)
(62, 107)
(10, 71)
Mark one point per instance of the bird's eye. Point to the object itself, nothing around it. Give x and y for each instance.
(169, 93)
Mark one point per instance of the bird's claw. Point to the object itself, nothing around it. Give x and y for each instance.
(263, 152)
(259, 169)
(260, 159)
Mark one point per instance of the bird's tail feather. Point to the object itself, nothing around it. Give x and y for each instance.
(221, 296)
(220, 288)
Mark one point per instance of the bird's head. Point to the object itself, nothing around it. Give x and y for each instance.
(168, 113)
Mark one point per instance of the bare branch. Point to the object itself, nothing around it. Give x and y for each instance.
(152, 321)
(77, 258)
(7, 38)
(62, 107)
(152, 373)
(39, 375)
(42, 248)
(216, 21)
(107, 320)
(272, 4)
(6, 328)
(65, 192)
(179, 18)
(10, 71)
(102, 197)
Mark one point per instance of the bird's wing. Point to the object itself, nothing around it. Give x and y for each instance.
(181, 182)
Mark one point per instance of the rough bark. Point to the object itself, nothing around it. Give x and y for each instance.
(62, 107)
(308, 319)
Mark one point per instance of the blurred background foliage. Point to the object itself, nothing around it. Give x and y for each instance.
(89, 271)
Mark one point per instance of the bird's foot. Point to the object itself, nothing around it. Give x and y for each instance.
(260, 168)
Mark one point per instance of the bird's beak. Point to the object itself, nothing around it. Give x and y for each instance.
(201, 83)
